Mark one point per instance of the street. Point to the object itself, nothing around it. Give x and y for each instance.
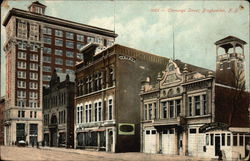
(46, 153)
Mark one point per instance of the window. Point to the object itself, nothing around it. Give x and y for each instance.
(47, 31)
(90, 39)
(33, 57)
(69, 63)
(87, 113)
(241, 140)
(32, 103)
(33, 95)
(178, 107)
(204, 99)
(58, 52)
(46, 68)
(110, 43)
(150, 111)
(153, 132)
(20, 103)
(96, 111)
(21, 94)
(171, 108)
(221, 66)
(190, 106)
(59, 70)
(69, 71)
(22, 45)
(33, 85)
(69, 35)
(47, 50)
(164, 109)
(33, 66)
(58, 42)
(197, 105)
(21, 65)
(147, 132)
(46, 77)
(207, 139)
(192, 131)
(156, 111)
(21, 84)
(59, 61)
(69, 44)
(79, 55)
(235, 139)
(33, 47)
(22, 55)
(69, 54)
(145, 111)
(223, 139)
(33, 76)
(21, 74)
(79, 46)
(90, 112)
(211, 139)
(110, 106)
(228, 140)
(99, 40)
(58, 33)
(23, 113)
(31, 113)
(47, 40)
(80, 37)
(100, 111)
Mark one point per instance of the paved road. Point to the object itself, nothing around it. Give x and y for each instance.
(29, 153)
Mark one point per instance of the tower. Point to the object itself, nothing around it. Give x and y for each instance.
(37, 7)
(230, 62)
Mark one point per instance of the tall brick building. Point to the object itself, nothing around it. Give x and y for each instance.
(35, 45)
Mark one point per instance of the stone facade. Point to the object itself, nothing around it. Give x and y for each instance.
(58, 112)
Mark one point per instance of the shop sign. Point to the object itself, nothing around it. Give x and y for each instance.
(126, 129)
(213, 126)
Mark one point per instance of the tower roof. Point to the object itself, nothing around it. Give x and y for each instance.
(36, 3)
(229, 39)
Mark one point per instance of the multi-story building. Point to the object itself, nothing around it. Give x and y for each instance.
(193, 111)
(2, 104)
(107, 97)
(35, 45)
(58, 112)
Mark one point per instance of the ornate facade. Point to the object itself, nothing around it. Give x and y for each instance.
(194, 111)
(58, 112)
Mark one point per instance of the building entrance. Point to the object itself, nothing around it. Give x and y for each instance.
(217, 145)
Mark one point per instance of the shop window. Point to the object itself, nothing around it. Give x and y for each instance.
(228, 140)
(153, 132)
(223, 139)
(235, 140)
(192, 131)
(211, 139)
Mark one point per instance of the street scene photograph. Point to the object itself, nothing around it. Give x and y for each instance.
(117, 80)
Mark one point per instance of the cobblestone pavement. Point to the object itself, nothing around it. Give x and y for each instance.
(47, 153)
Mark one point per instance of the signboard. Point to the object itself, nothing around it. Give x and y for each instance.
(125, 57)
(213, 126)
(126, 129)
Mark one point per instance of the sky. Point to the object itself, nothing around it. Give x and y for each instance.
(149, 25)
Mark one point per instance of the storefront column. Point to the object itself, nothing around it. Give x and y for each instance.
(175, 142)
(98, 140)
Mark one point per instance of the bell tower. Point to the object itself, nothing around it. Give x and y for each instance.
(37, 7)
(230, 62)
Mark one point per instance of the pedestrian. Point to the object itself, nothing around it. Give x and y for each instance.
(220, 155)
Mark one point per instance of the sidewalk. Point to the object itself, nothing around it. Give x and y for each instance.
(133, 156)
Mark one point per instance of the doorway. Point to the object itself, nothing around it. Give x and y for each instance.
(110, 140)
(217, 145)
